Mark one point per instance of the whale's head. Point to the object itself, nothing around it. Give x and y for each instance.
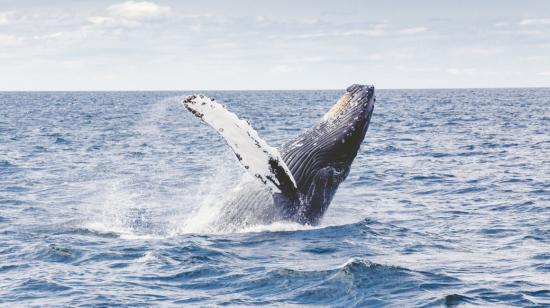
(343, 128)
(320, 158)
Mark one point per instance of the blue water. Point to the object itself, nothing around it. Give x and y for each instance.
(106, 199)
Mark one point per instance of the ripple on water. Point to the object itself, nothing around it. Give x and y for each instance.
(358, 282)
(87, 232)
(34, 287)
(57, 253)
(7, 168)
(12, 267)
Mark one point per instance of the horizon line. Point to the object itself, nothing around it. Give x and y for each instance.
(305, 89)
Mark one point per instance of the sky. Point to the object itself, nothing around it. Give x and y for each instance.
(283, 44)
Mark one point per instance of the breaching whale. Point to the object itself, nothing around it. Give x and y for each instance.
(300, 179)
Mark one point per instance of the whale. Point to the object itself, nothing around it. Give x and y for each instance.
(297, 181)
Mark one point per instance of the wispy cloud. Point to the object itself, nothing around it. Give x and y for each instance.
(545, 73)
(501, 24)
(313, 59)
(462, 71)
(378, 30)
(48, 36)
(9, 40)
(410, 69)
(413, 30)
(372, 33)
(6, 17)
(107, 21)
(535, 21)
(473, 52)
(323, 29)
(281, 69)
(130, 14)
(138, 10)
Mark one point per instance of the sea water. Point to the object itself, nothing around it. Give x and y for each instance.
(107, 198)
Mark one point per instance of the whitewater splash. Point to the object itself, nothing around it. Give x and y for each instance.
(116, 210)
(142, 205)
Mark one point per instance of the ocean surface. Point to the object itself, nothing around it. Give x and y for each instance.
(106, 198)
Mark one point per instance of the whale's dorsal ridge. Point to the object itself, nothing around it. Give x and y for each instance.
(261, 160)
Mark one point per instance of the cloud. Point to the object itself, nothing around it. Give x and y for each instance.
(6, 17)
(393, 55)
(546, 73)
(473, 52)
(462, 71)
(309, 35)
(373, 32)
(412, 31)
(378, 30)
(106, 21)
(301, 29)
(370, 33)
(535, 22)
(100, 20)
(417, 69)
(48, 36)
(312, 59)
(281, 69)
(501, 24)
(9, 40)
(375, 57)
(130, 14)
(138, 10)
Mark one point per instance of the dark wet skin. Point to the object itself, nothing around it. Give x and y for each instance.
(319, 159)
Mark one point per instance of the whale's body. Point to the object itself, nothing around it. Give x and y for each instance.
(301, 177)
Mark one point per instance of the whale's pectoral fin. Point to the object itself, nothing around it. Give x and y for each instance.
(258, 158)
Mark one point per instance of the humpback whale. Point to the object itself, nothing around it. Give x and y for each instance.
(299, 180)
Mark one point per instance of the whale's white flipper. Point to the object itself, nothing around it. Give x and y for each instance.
(258, 158)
